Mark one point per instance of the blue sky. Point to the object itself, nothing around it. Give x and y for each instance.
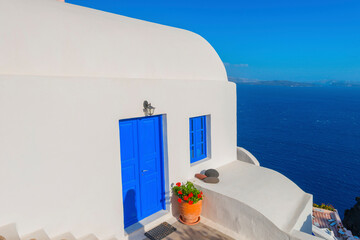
(308, 40)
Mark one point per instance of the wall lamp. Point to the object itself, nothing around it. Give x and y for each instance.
(148, 109)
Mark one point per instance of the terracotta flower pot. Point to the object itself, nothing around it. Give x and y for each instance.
(190, 214)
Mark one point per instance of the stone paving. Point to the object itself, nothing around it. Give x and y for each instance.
(199, 231)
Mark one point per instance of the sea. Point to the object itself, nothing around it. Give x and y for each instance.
(309, 134)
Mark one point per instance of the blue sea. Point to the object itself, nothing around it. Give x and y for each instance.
(309, 134)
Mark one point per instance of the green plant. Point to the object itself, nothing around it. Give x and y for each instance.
(187, 192)
(324, 206)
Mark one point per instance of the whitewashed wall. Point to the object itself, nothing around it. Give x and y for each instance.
(68, 74)
(60, 155)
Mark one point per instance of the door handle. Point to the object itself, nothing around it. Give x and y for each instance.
(145, 170)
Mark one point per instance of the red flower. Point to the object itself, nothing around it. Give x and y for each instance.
(178, 184)
(191, 202)
(199, 195)
(191, 194)
(180, 192)
(201, 192)
(186, 198)
(179, 200)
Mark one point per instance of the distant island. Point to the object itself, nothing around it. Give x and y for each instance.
(287, 83)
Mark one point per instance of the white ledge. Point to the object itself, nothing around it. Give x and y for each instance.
(255, 202)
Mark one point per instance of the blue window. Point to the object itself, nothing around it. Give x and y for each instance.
(198, 139)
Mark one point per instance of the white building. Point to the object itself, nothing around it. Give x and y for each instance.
(71, 78)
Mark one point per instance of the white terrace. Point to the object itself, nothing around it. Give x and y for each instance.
(257, 202)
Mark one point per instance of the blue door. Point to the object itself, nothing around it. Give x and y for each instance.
(141, 167)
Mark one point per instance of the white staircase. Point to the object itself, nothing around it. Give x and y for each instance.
(9, 232)
(38, 235)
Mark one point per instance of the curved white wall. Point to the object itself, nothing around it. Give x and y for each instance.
(278, 199)
(51, 38)
(246, 222)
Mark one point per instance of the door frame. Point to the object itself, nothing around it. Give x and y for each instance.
(163, 163)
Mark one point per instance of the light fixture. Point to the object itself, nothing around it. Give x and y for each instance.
(148, 109)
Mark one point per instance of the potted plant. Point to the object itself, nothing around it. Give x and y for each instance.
(190, 202)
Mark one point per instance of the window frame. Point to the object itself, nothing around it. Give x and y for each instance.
(199, 138)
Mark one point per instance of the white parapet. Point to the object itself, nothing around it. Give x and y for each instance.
(257, 203)
(304, 236)
(323, 233)
(245, 156)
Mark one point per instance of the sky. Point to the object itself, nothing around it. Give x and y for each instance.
(307, 40)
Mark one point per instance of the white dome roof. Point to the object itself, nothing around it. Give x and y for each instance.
(51, 38)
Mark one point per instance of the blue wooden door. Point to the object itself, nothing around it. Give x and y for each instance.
(141, 167)
(130, 171)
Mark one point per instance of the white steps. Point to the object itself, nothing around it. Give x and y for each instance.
(38, 235)
(9, 232)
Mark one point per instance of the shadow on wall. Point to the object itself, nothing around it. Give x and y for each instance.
(167, 200)
(174, 206)
(173, 200)
(307, 225)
